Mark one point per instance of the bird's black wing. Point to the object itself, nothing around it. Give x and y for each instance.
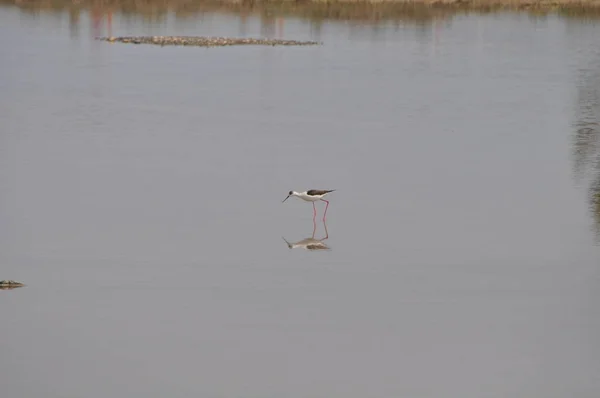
(318, 192)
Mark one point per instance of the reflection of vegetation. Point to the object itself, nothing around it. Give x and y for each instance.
(595, 203)
(319, 10)
(378, 12)
(586, 145)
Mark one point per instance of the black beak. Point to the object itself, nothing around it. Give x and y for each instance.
(286, 198)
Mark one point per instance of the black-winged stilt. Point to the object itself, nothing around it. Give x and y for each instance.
(312, 195)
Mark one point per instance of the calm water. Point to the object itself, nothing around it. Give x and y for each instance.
(140, 201)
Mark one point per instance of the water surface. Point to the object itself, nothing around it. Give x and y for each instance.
(140, 201)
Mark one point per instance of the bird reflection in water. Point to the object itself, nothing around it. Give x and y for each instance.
(311, 244)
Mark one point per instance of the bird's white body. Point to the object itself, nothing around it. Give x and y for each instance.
(312, 195)
(309, 198)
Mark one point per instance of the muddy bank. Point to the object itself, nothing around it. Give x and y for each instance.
(205, 41)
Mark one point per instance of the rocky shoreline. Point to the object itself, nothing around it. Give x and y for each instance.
(199, 41)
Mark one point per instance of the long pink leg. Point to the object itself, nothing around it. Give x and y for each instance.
(314, 211)
(326, 233)
(325, 214)
(314, 228)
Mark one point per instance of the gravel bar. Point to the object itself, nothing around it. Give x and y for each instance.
(205, 41)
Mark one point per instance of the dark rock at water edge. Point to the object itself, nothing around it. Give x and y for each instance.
(205, 41)
(9, 284)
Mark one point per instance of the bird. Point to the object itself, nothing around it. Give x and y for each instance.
(312, 195)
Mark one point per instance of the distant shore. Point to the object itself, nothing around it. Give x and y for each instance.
(461, 4)
(464, 4)
(374, 10)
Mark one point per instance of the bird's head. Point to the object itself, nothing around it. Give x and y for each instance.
(291, 193)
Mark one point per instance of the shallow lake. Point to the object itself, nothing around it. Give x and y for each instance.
(140, 202)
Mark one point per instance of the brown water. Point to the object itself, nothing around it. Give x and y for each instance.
(140, 201)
